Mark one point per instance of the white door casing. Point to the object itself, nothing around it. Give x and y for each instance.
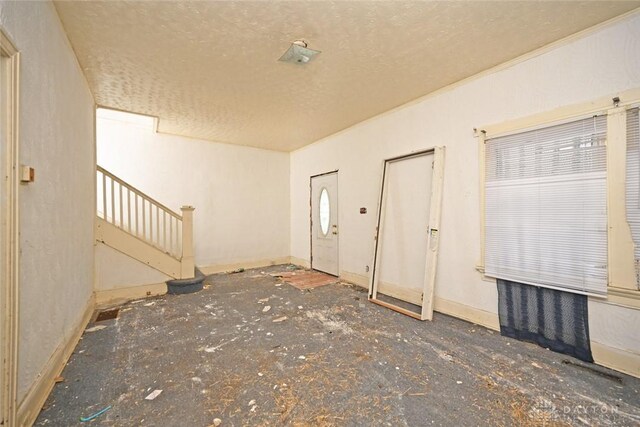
(324, 223)
(9, 299)
(407, 236)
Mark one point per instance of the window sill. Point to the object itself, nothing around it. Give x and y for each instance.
(629, 298)
(480, 269)
(621, 296)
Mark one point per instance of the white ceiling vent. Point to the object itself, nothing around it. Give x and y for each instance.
(298, 53)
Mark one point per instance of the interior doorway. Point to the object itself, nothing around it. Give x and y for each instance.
(9, 66)
(406, 248)
(324, 223)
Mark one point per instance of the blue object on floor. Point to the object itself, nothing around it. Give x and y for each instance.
(96, 415)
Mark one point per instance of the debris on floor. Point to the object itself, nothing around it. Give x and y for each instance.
(95, 328)
(96, 415)
(334, 362)
(153, 394)
(236, 271)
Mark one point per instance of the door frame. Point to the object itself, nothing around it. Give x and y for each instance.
(9, 299)
(311, 217)
(433, 235)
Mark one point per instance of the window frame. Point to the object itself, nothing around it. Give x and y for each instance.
(621, 277)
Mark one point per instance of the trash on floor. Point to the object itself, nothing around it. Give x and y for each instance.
(153, 394)
(96, 415)
(95, 328)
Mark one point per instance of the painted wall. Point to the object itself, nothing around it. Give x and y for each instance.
(241, 194)
(57, 210)
(599, 64)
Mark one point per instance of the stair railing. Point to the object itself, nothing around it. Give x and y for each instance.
(131, 210)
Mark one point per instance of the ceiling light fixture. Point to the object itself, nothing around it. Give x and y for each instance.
(299, 53)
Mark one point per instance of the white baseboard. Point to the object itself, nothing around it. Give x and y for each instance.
(121, 295)
(441, 305)
(30, 406)
(468, 313)
(355, 279)
(617, 359)
(221, 268)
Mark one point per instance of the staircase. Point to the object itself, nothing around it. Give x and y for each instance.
(144, 229)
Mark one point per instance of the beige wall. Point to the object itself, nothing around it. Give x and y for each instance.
(57, 210)
(603, 63)
(241, 194)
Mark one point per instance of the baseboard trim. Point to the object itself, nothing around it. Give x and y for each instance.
(121, 295)
(221, 268)
(409, 295)
(354, 279)
(441, 305)
(36, 397)
(470, 314)
(615, 358)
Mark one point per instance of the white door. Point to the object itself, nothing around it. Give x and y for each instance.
(403, 250)
(324, 223)
(407, 238)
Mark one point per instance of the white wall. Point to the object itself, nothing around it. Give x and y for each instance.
(600, 64)
(241, 194)
(57, 210)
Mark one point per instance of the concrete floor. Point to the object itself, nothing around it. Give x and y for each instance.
(333, 359)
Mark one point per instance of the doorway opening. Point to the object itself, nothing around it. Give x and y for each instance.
(324, 223)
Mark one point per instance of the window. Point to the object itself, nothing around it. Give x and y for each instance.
(546, 206)
(325, 211)
(633, 181)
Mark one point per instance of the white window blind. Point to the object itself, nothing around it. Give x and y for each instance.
(546, 207)
(633, 180)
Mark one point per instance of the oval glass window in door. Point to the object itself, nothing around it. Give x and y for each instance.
(325, 211)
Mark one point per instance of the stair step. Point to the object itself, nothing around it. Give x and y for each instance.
(186, 286)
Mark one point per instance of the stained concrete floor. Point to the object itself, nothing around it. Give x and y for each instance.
(333, 359)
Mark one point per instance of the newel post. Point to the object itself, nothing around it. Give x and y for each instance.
(187, 269)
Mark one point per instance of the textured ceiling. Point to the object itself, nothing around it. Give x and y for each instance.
(210, 69)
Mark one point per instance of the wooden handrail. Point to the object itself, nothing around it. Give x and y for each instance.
(139, 193)
(131, 210)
